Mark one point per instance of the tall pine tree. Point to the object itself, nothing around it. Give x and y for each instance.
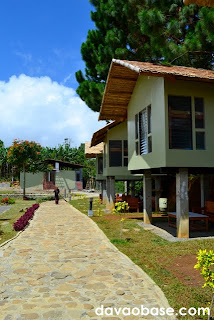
(157, 31)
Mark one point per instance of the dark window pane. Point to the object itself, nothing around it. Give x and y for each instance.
(199, 113)
(136, 126)
(125, 148)
(100, 165)
(200, 140)
(143, 132)
(52, 176)
(149, 144)
(125, 162)
(115, 153)
(149, 119)
(180, 122)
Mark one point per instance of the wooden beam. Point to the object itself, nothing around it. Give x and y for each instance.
(124, 79)
(115, 108)
(119, 93)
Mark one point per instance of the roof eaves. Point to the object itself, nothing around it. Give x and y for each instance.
(127, 65)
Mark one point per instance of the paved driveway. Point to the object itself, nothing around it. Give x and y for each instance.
(63, 267)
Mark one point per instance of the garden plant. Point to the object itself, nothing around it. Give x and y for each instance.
(22, 222)
(206, 265)
(121, 208)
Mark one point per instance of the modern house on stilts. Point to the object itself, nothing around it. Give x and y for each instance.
(169, 112)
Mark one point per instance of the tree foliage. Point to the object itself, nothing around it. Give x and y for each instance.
(157, 31)
(25, 155)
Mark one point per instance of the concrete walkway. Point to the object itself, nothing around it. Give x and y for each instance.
(63, 267)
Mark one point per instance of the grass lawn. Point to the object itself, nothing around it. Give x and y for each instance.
(7, 192)
(10, 216)
(170, 265)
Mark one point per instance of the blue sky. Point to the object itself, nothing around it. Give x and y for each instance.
(40, 48)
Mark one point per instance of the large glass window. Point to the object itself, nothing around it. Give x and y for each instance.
(100, 165)
(125, 153)
(115, 153)
(199, 124)
(180, 122)
(181, 118)
(199, 113)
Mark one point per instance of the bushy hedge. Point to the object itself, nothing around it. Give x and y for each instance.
(21, 223)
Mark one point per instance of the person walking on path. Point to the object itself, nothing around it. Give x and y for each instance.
(56, 194)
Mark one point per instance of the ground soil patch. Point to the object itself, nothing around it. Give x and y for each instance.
(183, 268)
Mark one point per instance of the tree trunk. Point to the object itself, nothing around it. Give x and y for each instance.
(24, 180)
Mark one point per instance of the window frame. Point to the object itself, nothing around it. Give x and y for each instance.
(199, 130)
(194, 130)
(122, 153)
(138, 134)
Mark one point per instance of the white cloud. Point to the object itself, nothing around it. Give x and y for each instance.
(45, 111)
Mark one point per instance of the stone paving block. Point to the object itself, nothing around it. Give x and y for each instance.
(62, 267)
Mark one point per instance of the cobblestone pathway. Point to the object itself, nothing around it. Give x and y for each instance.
(63, 267)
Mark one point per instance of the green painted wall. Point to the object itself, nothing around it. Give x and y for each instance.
(155, 91)
(120, 173)
(33, 180)
(148, 90)
(192, 158)
(65, 179)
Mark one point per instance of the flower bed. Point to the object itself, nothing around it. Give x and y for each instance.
(7, 201)
(21, 223)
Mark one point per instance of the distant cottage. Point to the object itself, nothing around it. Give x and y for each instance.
(65, 175)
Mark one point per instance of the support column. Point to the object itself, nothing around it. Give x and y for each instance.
(147, 196)
(110, 188)
(126, 187)
(182, 203)
(157, 192)
(104, 193)
(133, 188)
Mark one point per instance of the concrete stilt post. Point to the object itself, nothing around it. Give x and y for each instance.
(104, 192)
(147, 196)
(157, 192)
(182, 203)
(126, 187)
(110, 188)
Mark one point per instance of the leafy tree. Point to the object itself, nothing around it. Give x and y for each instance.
(26, 155)
(157, 31)
(3, 156)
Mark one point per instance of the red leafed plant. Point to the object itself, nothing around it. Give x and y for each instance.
(21, 223)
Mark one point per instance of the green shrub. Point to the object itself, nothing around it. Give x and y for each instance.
(206, 265)
(11, 201)
(7, 200)
(43, 199)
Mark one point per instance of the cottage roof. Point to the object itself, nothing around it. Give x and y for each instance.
(64, 164)
(122, 78)
(99, 136)
(91, 152)
(203, 3)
